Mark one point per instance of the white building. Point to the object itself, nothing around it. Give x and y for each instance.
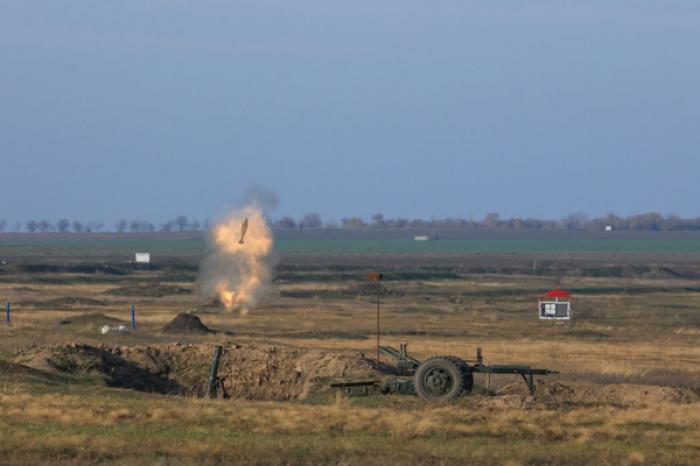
(142, 257)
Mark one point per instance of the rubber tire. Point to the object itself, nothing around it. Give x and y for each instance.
(455, 368)
(468, 375)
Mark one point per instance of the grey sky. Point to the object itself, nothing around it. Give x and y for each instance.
(148, 109)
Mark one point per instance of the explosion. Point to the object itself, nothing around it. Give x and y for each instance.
(238, 270)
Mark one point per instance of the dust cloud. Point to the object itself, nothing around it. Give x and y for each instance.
(238, 268)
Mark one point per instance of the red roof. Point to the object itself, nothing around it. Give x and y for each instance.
(556, 294)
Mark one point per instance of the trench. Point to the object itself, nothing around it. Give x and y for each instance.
(259, 372)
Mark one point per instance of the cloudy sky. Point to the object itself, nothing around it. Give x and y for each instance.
(148, 109)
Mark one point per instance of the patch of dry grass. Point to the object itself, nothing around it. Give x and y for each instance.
(104, 423)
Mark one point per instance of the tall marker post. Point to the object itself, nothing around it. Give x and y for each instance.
(7, 313)
(377, 277)
(133, 316)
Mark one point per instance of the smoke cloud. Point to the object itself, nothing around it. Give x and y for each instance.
(262, 197)
(238, 268)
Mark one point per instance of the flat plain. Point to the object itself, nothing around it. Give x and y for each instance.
(628, 391)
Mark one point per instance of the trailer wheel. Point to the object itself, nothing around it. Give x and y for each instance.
(468, 376)
(442, 378)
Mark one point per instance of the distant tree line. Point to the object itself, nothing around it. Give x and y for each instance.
(179, 223)
(64, 225)
(577, 222)
(492, 221)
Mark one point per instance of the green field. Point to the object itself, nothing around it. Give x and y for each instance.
(484, 246)
(195, 245)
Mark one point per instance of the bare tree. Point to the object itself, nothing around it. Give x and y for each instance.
(286, 223)
(396, 223)
(491, 220)
(310, 221)
(181, 222)
(575, 222)
(650, 221)
(378, 221)
(45, 226)
(3, 225)
(63, 225)
(141, 226)
(121, 225)
(353, 223)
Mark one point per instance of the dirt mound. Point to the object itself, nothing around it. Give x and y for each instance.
(544, 389)
(637, 395)
(252, 371)
(152, 290)
(19, 373)
(100, 361)
(186, 323)
(621, 394)
(266, 372)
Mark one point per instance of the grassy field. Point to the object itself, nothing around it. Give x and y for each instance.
(364, 242)
(628, 392)
(96, 425)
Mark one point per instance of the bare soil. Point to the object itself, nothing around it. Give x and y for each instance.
(185, 323)
(586, 393)
(261, 372)
(267, 372)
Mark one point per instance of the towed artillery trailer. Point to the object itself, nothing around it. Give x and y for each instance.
(439, 378)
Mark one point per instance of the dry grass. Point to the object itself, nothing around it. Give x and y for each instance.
(290, 418)
(104, 425)
(10, 386)
(624, 337)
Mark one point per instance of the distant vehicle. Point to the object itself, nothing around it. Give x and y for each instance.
(434, 237)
